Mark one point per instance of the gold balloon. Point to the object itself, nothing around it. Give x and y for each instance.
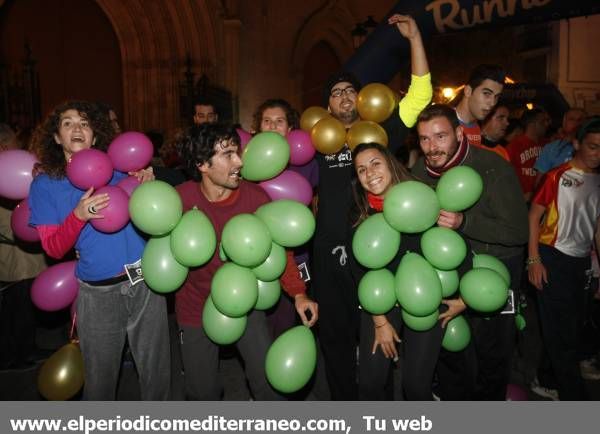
(61, 376)
(328, 135)
(376, 102)
(311, 116)
(366, 132)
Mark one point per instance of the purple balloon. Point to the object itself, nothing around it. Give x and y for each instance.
(56, 287)
(116, 214)
(301, 147)
(514, 392)
(19, 222)
(289, 185)
(89, 168)
(245, 137)
(130, 151)
(129, 184)
(16, 166)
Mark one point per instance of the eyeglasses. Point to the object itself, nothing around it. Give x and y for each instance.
(348, 91)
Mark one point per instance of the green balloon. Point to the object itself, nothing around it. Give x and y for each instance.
(291, 360)
(449, 281)
(234, 290)
(193, 241)
(375, 242)
(219, 328)
(273, 266)
(376, 291)
(483, 290)
(457, 335)
(290, 223)
(459, 188)
(411, 207)
(268, 294)
(161, 270)
(420, 323)
(246, 240)
(265, 156)
(493, 263)
(418, 286)
(443, 248)
(155, 208)
(520, 322)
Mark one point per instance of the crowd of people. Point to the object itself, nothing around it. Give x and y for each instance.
(539, 214)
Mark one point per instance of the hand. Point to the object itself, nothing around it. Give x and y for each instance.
(303, 304)
(449, 219)
(144, 175)
(386, 337)
(538, 275)
(406, 25)
(88, 207)
(455, 307)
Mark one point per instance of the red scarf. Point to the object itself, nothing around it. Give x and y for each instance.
(375, 202)
(456, 160)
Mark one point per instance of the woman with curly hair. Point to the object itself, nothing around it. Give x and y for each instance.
(110, 307)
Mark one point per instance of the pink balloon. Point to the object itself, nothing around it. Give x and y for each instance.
(89, 168)
(19, 222)
(245, 137)
(56, 287)
(289, 185)
(514, 392)
(129, 184)
(16, 166)
(130, 151)
(301, 147)
(116, 214)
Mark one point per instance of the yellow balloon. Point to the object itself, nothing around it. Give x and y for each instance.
(328, 135)
(311, 116)
(366, 132)
(61, 376)
(376, 102)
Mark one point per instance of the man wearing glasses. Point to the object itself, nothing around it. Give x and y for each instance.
(333, 284)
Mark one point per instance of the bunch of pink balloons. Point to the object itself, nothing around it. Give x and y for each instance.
(16, 167)
(56, 287)
(289, 185)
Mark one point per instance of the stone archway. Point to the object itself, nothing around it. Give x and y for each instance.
(155, 38)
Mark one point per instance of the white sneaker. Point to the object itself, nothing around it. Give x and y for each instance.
(589, 369)
(543, 391)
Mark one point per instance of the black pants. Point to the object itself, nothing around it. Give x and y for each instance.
(482, 370)
(561, 304)
(420, 352)
(17, 323)
(338, 324)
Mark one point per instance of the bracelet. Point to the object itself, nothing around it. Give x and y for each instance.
(534, 260)
(381, 325)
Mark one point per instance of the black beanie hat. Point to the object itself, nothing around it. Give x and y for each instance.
(336, 78)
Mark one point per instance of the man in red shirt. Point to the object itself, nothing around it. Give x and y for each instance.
(526, 148)
(211, 155)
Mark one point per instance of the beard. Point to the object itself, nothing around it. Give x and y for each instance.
(348, 117)
(436, 160)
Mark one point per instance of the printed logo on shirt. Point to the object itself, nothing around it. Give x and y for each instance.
(341, 159)
(569, 181)
(530, 153)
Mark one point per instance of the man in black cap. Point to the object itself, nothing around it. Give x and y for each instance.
(333, 284)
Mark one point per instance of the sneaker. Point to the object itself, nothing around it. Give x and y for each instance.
(545, 392)
(589, 369)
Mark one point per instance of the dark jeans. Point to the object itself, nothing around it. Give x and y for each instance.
(561, 305)
(17, 322)
(420, 352)
(201, 361)
(339, 319)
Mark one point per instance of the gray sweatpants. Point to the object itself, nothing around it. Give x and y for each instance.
(105, 316)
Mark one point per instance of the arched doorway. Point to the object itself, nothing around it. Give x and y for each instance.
(74, 45)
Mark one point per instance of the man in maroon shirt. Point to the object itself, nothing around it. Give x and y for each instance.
(211, 155)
